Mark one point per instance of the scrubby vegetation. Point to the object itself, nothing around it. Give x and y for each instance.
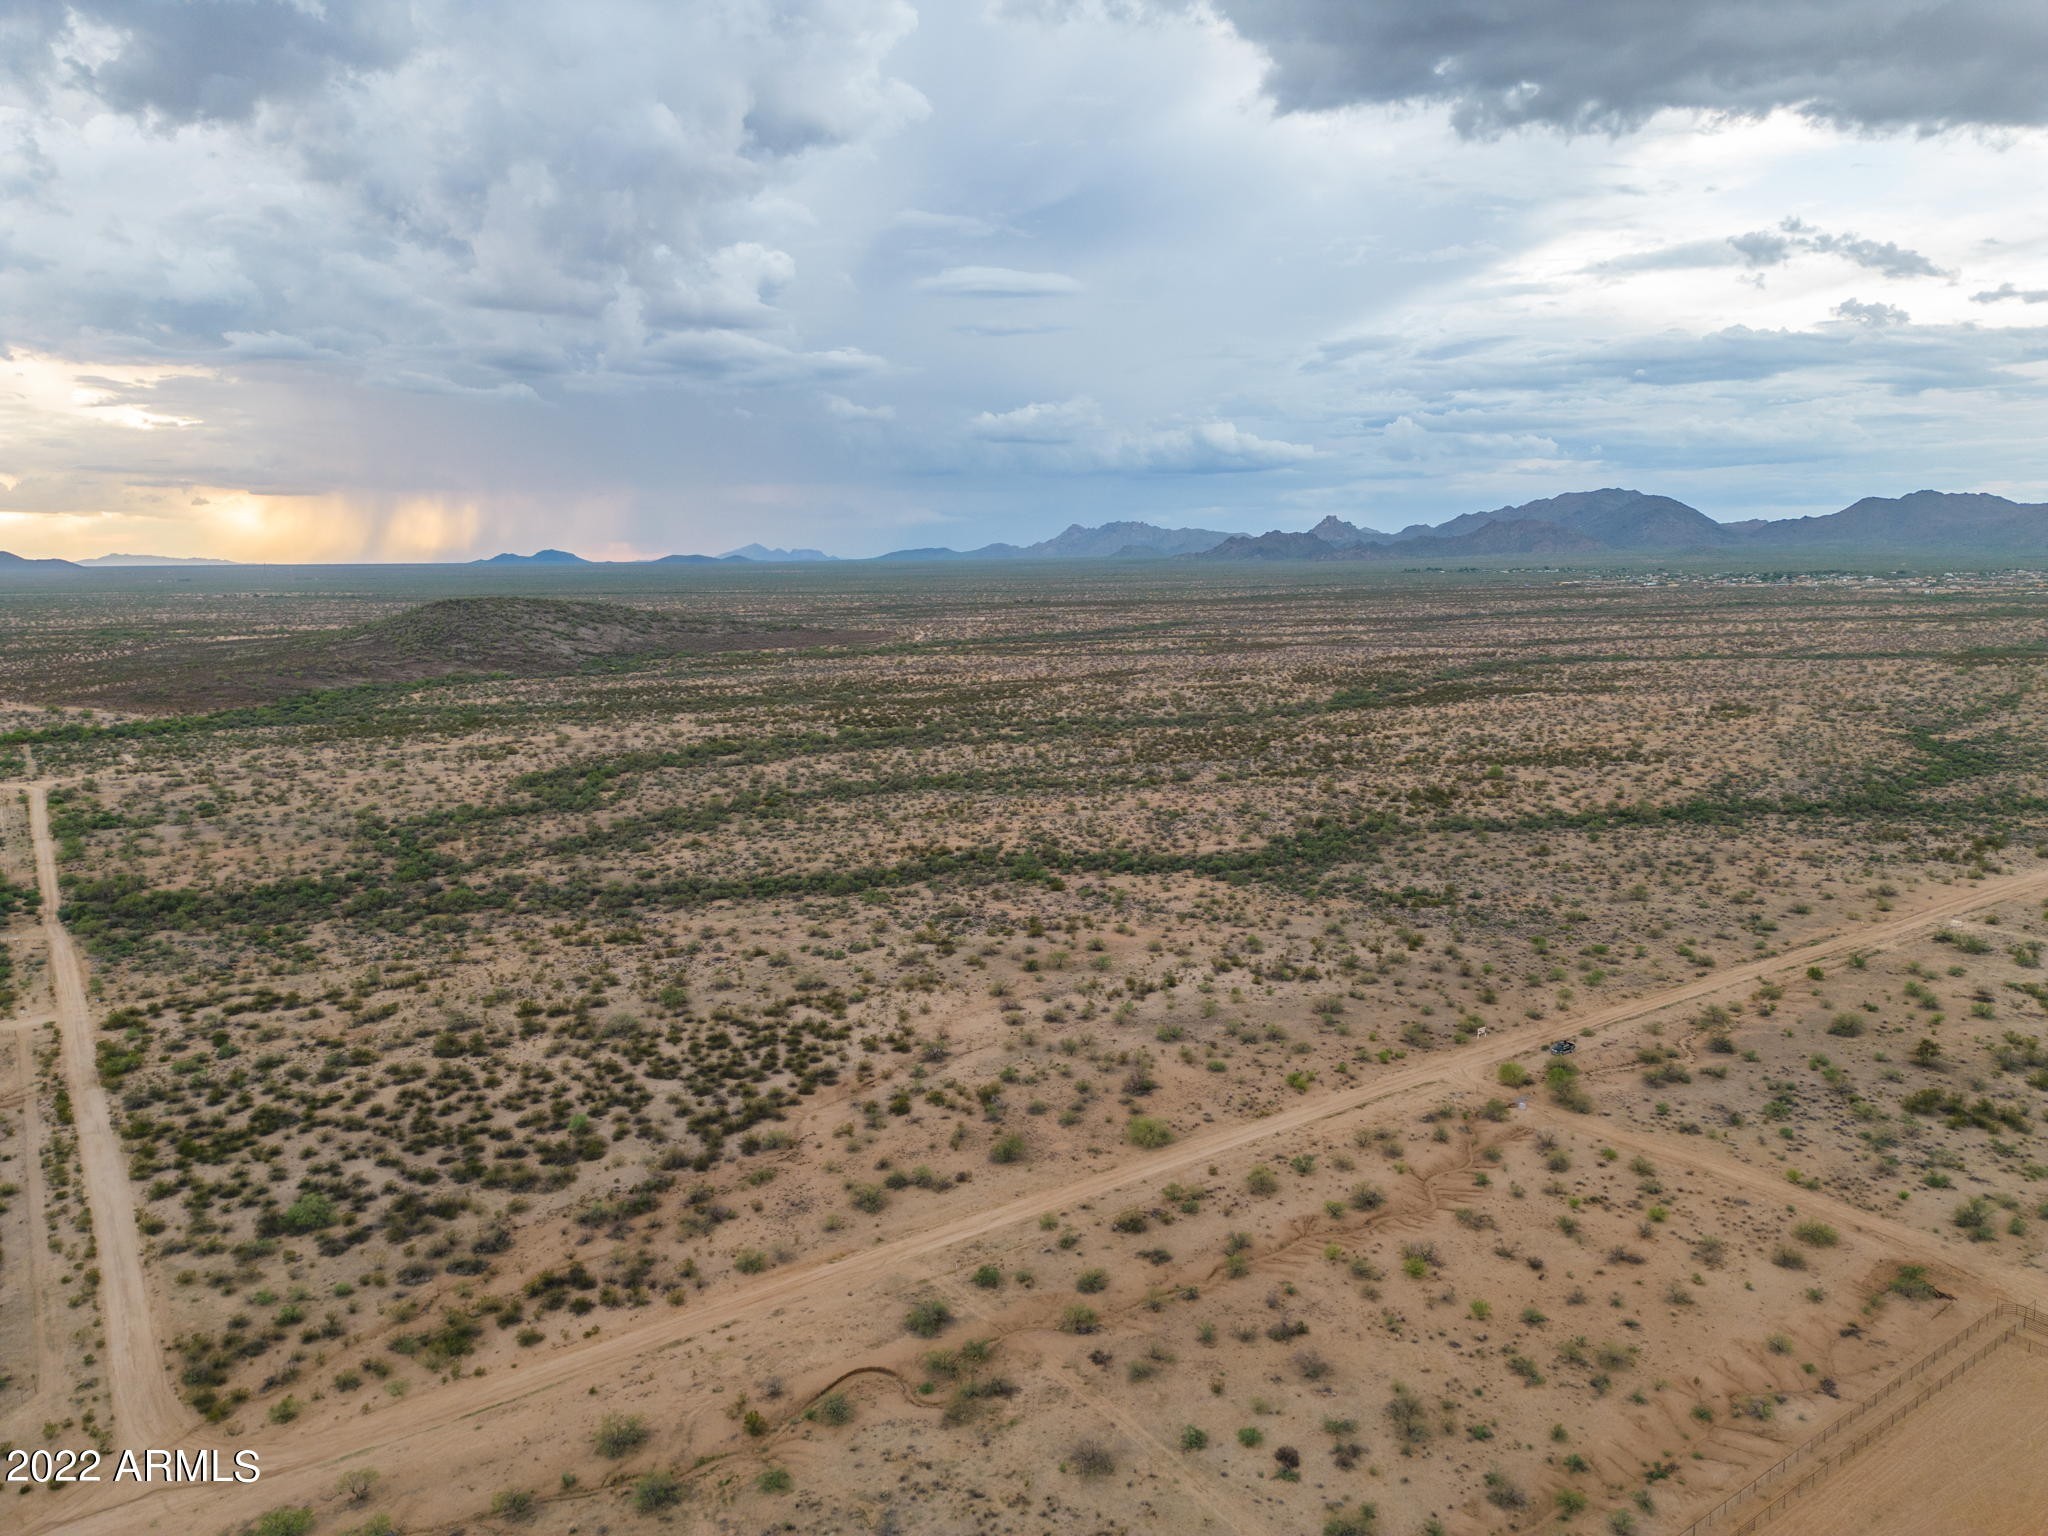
(454, 1024)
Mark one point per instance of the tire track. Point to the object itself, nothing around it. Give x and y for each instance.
(146, 1410)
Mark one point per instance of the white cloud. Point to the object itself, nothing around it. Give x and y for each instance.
(998, 283)
(1071, 436)
(1044, 422)
(847, 410)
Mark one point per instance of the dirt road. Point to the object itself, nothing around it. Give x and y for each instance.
(40, 1305)
(438, 1423)
(146, 1408)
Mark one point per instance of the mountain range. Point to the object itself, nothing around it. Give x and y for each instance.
(1576, 524)
(1630, 522)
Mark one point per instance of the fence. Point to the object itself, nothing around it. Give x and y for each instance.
(1866, 1421)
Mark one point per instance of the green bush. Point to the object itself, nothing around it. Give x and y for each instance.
(514, 1504)
(1148, 1132)
(657, 1491)
(619, 1434)
(1362, 1521)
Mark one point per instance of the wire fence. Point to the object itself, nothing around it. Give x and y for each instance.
(1817, 1457)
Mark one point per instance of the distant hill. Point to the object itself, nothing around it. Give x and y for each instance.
(1334, 530)
(1620, 521)
(1520, 536)
(455, 637)
(766, 556)
(1109, 541)
(538, 557)
(22, 564)
(1924, 522)
(1280, 545)
(1078, 543)
(155, 560)
(1508, 536)
(1612, 518)
(939, 552)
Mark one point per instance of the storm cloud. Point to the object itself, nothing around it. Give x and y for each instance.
(419, 277)
(1609, 65)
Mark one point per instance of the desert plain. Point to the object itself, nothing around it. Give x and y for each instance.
(1028, 1051)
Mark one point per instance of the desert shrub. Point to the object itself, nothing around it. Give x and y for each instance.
(1362, 1521)
(1513, 1074)
(1502, 1492)
(515, 1504)
(928, 1318)
(835, 1408)
(1912, 1283)
(1408, 1416)
(1148, 1132)
(1078, 1319)
(309, 1213)
(1007, 1148)
(1974, 1217)
(619, 1434)
(987, 1278)
(1194, 1438)
(1816, 1234)
(285, 1520)
(657, 1491)
(1091, 1458)
(357, 1484)
(1366, 1197)
(1566, 1090)
(1261, 1180)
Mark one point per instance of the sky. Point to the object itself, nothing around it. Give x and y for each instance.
(419, 280)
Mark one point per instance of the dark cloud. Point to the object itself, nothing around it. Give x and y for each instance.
(200, 60)
(568, 193)
(1608, 65)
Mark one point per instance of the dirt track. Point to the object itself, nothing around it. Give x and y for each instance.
(44, 1303)
(435, 1424)
(146, 1408)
